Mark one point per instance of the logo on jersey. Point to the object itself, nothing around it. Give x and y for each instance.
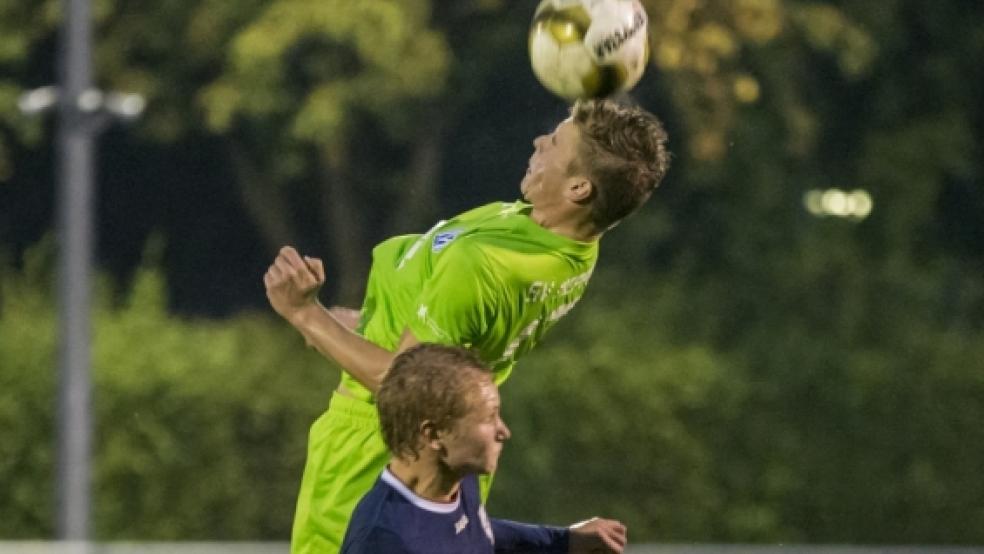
(441, 240)
(460, 526)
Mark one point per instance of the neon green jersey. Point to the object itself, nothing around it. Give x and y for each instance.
(490, 279)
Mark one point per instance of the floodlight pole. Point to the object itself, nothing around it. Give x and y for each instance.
(75, 240)
(83, 112)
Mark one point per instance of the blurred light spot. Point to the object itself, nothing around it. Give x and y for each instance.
(90, 100)
(746, 89)
(813, 202)
(758, 20)
(670, 54)
(863, 203)
(126, 106)
(717, 39)
(38, 100)
(834, 202)
(856, 204)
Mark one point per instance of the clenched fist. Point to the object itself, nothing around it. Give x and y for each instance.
(292, 282)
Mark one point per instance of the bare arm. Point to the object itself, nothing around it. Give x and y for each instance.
(349, 317)
(292, 285)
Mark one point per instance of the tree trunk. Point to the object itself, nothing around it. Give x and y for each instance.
(344, 224)
(418, 204)
(264, 201)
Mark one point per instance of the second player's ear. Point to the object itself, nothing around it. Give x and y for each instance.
(579, 190)
(431, 435)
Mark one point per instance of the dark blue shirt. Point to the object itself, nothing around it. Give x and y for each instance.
(391, 519)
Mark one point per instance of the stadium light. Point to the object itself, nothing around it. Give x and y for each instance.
(125, 106)
(122, 106)
(856, 204)
(38, 100)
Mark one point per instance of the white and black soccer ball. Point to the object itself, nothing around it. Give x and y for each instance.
(589, 48)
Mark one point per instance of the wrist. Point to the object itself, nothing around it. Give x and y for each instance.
(302, 315)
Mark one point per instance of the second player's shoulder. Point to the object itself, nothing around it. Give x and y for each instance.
(376, 539)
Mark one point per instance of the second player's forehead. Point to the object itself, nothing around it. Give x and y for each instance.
(482, 395)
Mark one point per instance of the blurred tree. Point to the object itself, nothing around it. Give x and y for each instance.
(339, 113)
(201, 426)
(322, 78)
(757, 374)
(722, 55)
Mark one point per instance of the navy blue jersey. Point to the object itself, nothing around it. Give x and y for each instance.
(391, 519)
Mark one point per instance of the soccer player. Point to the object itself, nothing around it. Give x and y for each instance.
(493, 279)
(439, 414)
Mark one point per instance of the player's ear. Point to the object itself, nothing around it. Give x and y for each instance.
(431, 435)
(579, 189)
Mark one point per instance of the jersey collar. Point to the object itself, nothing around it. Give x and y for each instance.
(423, 503)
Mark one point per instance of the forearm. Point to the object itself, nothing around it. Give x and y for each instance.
(366, 362)
(514, 537)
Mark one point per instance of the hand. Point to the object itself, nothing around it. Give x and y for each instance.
(597, 535)
(292, 283)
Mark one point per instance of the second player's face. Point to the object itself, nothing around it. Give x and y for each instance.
(475, 442)
(552, 156)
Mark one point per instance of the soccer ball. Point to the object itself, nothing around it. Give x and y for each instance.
(589, 48)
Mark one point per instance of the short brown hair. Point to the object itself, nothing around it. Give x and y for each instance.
(623, 152)
(427, 382)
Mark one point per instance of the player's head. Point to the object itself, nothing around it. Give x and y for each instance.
(441, 401)
(604, 161)
(622, 151)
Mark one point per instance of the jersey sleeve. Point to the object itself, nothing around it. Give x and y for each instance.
(513, 538)
(376, 540)
(458, 302)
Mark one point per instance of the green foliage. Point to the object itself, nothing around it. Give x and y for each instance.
(739, 371)
(853, 430)
(857, 421)
(200, 426)
(316, 64)
(607, 424)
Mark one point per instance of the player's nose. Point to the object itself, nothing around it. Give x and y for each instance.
(504, 432)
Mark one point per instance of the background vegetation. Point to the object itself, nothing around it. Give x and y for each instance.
(738, 371)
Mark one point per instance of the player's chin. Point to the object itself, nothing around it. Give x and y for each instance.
(492, 463)
(486, 466)
(526, 185)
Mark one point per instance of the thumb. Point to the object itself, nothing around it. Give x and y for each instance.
(317, 267)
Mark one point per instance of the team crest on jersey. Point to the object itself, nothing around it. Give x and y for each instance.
(461, 524)
(441, 240)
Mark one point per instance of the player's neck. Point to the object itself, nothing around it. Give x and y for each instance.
(571, 225)
(427, 480)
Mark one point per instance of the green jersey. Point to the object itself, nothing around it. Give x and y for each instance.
(490, 279)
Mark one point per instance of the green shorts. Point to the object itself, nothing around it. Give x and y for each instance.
(345, 455)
